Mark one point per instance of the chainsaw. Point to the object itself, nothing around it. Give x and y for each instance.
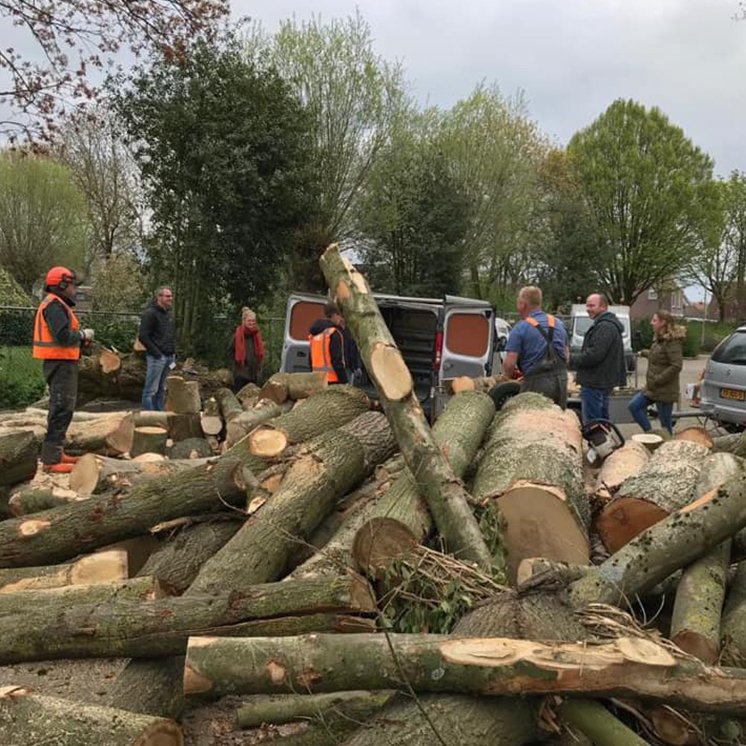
(603, 438)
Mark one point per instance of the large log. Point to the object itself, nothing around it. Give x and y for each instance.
(270, 440)
(110, 435)
(94, 474)
(246, 422)
(101, 567)
(28, 718)
(445, 495)
(400, 519)
(149, 439)
(210, 419)
(126, 382)
(325, 470)
(630, 667)
(73, 628)
(593, 720)
(532, 470)
(182, 396)
(283, 386)
(733, 630)
(230, 407)
(665, 484)
(19, 452)
(191, 448)
(622, 464)
(33, 499)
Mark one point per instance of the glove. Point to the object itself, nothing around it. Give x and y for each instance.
(88, 335)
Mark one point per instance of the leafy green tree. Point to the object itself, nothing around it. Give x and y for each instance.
(119, 284)
(413, 218)
(353, 96)
(648, 189)
(223, 149)
(43, 217)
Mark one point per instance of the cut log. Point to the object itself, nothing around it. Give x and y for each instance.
(664, 485)
(152, 419)
(696, 435)
(464, 383)
(108, 435)
(179, 558)
(125, 382)
(19, 452)
(138, 548)
(182, 396)
(535, 569)
(132, 627)
(27, 718)
(148, 439)
(734, 443)
(246, 422)
(623, 463)
(651, 441)
(446, 497)
(733, 631)
(630, 667)
(532, 470)
(191, 448)
(33, 499)
(400, 519)
(695, 624)
(93, 474)
(183, 426)
(109, 361)
(248, 395)
(593, 720)
(270, 440)
(230, 407)
(325, 470)
(102, 567)
(210, 419)
(283, 386)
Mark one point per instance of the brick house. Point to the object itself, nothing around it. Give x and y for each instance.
(651, 300)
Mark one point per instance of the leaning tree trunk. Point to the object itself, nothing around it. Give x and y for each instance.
(445, 495)
(28, 718)
(664, 485)
(400, 518)
(532, 470)
(19, 452)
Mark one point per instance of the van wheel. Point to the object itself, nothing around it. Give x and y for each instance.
(504, 391)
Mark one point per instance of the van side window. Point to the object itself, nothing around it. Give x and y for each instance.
(468, 334)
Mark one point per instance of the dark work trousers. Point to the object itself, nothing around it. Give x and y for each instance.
(62, 377)
(553, 384)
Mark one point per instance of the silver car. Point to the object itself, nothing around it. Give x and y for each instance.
(723, 390)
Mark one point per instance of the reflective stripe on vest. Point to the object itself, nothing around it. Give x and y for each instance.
(321, 357)
(45, 346)
(550, 321)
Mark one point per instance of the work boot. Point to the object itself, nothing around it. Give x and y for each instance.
(60, 468)
(66, 459)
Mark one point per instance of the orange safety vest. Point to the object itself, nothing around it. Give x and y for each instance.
(45, 346)
(550, 321)
(321, 356)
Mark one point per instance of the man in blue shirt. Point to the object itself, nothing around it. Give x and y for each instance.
(538, 346)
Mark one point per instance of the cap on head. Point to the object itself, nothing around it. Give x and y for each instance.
(247, 314)
(330, 309)
(59, 277)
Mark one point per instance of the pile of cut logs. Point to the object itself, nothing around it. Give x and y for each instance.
(246, 547)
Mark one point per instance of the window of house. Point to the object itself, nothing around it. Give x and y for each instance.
(652, 294)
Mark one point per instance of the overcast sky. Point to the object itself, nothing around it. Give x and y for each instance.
(571, 58)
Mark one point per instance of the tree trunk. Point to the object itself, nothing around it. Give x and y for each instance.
(19, 452)
(110, 435)
(27, 718)
(446, 497)
(148, 439)
(184, 426)
(246, 422)
(733, 633)
(532, 468)
(179, 558)
(270, 440)
(101, 567)
(664, 485)
(593, 720)
(283, 386)
(124, 383)
(182, 396)
(400, 518)
(325, 470)
(630, 667)
(697, 435)
(734, 443)
(230, 407)
(108, 625)
(622, 464)
(191, 449)
(94, 474)
(248, 395)
(33, 499)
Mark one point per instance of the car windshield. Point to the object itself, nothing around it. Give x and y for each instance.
(731, 350)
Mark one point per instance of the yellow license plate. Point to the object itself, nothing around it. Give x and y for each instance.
(732, 394)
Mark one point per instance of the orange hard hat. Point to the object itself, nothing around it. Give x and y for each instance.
(59, 277)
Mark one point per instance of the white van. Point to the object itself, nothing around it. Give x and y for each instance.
(580, 323)
(439, 338)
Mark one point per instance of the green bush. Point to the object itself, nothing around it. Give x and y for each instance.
(21, 378)
(693, 341)
(645, 335)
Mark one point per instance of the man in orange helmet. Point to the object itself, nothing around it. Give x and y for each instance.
(57, 342)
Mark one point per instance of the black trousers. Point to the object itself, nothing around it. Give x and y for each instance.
(62, 378)
(553, 384)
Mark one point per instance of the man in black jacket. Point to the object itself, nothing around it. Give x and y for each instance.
(157, 335)
(600, 363)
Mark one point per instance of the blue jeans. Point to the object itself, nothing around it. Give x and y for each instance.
(154, 390)
(594, 403)
(638, 408)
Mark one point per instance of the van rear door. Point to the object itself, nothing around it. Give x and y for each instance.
(468, 337)
(302, 311)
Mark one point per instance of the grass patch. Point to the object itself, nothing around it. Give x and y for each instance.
(21, 378)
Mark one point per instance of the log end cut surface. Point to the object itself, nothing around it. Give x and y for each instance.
(624, 519)
(267, 442)
(379, 542)
(697, 645)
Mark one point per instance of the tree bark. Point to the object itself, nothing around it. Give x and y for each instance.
(33, 499)
(445, 495)
(664, 485)
(107, 625)
(629, 667)
(592, 719)
(622, 464)
(733, 633)
(183, 426)
(697, 435)
(532, 469)
(270, 440)
(95, 474)
(400, 518)
(182, 396)
(148, 439)
(19, 452)
(191, 448)
(283, 386)
(734, 443)
(101, 567)
(230, 407)
(246, 422)
(27, 718)
(325, 470)
(109, 436)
